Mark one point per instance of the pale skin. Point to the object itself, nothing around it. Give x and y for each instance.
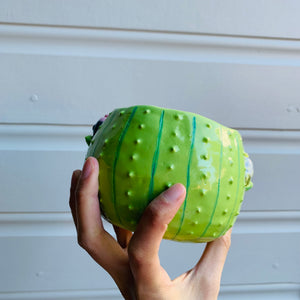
(132, 259)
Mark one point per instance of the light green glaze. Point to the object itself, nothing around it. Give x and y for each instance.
(142, 150)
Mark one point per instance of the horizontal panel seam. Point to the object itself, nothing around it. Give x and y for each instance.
(225, 288)
(128, 29)
(88, 126)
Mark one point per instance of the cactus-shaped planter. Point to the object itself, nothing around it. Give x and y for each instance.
(143, 150)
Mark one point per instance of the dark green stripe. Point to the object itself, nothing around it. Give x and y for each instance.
(121, 138)
(155, 156)
(219, 183)
(238, 185)
(187, 176)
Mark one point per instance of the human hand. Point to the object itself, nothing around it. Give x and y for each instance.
(132, 260)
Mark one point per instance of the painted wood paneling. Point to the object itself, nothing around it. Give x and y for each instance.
(262, 18)
(71, 76)
(261, 292)
(57, 224)
(45, 263)
(64, 66)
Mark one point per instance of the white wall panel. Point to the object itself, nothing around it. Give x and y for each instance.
(261, 292)
(57, 263)
(60, 224)
(48, 263)
(263, 18)
(69, 76)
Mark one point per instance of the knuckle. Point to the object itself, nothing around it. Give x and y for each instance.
(136, 257)
(155, 219)
(153, 214)
(89, 240)
(84, 243)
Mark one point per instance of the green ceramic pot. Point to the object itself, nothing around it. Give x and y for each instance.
(143, 150)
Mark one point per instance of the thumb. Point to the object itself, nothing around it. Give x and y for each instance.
(144, 246)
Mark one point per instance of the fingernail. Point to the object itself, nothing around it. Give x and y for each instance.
(87, 168)
(174, 192)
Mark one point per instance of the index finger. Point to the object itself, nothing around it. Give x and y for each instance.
(91, 234)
